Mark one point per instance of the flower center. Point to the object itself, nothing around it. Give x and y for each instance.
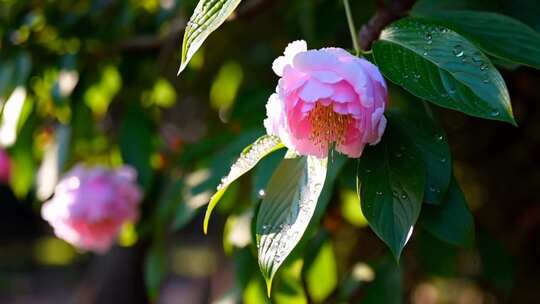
(327, 126)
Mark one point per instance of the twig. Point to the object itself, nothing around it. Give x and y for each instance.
(385, 15)
(352, 27)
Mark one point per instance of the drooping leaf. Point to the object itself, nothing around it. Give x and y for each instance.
(251, 155)
(441, 66)
(391, 179)
(286, 210)
(429, 137)
(207, 17)
(452, 221)
(497, 35)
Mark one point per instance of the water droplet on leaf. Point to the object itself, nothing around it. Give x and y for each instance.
(458, 50)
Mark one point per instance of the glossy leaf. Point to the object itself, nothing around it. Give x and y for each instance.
(497, 35)
(441, 66)
(251, 155)
(207, 17)
(452, 221)
(286, 210)
(391, 178)
(428, 136)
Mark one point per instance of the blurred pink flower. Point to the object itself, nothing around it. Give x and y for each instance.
(90, 205)
(5, 167)
(326, 96)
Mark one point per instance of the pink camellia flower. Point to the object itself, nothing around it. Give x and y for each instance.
(5, 167)
(323, 97)
(90, 205)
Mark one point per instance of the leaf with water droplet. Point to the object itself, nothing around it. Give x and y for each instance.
(458, 50)
(389, 214)
(497, 35)
(287, 209)
(428, 136)
(451, 221)
(249, 157)
(448, 75)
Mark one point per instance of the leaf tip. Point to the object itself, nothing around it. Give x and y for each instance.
(205, 222)
(180, 69)
(268, 286)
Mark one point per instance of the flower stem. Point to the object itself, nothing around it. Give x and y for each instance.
(352, 28)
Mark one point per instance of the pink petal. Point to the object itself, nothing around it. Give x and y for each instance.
(343, 92)
(340, 108)
(315, 60)
(326, 76)
(314, 90)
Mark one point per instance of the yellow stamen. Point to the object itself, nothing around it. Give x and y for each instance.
(327, 126)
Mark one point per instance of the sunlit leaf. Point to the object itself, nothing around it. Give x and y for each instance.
(207, 17)
(441, 66)
(247, 160)
(286, 210)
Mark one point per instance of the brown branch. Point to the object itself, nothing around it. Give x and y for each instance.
(385, 15)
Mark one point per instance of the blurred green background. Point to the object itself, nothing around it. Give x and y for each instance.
(95, 81)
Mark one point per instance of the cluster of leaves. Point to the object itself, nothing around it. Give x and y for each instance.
(438, 56)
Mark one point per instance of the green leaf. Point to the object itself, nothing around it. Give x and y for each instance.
(391, 179)
(320, 269)
(429, 137)
(136, 143)
(251, 155)
(286, 210)
(439, 65)
(497, 35)
(452, 221)
(207, 17)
